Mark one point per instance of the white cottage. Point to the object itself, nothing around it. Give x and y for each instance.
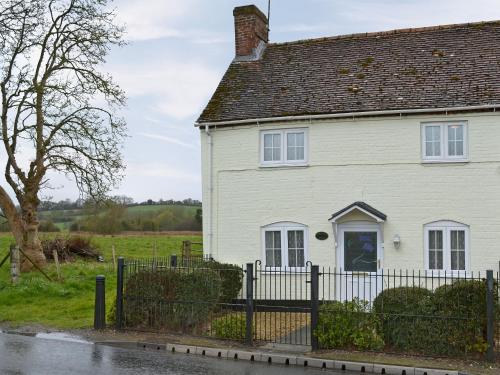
(363, 152)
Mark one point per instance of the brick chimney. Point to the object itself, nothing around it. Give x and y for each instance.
(251, 27)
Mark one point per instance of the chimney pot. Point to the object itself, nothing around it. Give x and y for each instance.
(251, 27)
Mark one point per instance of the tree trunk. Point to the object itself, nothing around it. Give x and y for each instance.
(24, 227)
(31, 245)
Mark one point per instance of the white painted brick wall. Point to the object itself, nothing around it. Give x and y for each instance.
(374, 160)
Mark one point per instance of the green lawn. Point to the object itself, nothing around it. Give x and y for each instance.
(70, 303)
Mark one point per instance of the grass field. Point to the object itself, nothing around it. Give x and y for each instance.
(64, 218)
(69, 303)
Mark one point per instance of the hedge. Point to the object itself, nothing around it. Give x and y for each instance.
(450, 321)
(349, 324)
(173, 299)
(405, 313)
(231, 279)
(462, 306)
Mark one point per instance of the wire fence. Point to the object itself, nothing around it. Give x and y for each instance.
(413, 312)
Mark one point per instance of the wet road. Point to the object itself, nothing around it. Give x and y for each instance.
(21, 355)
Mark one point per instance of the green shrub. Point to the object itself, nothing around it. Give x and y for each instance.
(450, 321)
(462, 307)
(231, 277)
(172, 299)
(231, 326)
(347, 325)
(405, 313)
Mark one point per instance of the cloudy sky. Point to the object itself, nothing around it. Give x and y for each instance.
(179, 50)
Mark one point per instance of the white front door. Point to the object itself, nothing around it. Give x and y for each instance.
(359, 257)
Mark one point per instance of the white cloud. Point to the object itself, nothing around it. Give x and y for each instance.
(170, 174)
(177, 89)
(151, 19)
(170, 140)
(157, 19)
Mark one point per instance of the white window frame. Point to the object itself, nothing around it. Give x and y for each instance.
(284, 227)
(446, 226)
(283, 161)
(444, 157)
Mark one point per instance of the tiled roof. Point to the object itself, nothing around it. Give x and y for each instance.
(363, 206)
(435, 67)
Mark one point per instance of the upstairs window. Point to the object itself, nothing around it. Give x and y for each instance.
(444, 141)
(446, 246)
(285, 245)
(284, 147)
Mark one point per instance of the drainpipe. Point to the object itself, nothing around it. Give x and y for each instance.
(208, 246)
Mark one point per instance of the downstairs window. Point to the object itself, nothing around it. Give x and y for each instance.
(285, 245)
(446, 246)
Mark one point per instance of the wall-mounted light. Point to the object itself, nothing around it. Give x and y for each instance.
(397, 241)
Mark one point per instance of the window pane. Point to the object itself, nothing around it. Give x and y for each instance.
(277, 240)
(455, 140)
(432, 260)
(268, 154)
(360, 251)
(295, 146)
(276, 154)
(300, 258)
(296, 248)
(269, 258)
(300, 139)
(292, 243)
(451, 148)
(461, 260)
(276, 140)
(435, 249)
(273, 248)
(292, 258)
(457, 247)
(432, 141)
(268, 140)
(277, 258)
(272, 147)
(300, 153)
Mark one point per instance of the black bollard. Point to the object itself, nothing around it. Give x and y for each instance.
(100, 305)
(173, 261)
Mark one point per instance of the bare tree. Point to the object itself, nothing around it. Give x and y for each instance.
(58, 110)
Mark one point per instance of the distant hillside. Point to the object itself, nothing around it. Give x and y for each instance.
(117, 218)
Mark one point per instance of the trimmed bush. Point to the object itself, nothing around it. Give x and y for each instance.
(348, 325)
(406, 313)
(462, 306)
(231, 279)
(450, 321)
(171, 299)
(231, 326)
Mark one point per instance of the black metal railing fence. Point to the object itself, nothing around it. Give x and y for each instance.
(415, 312)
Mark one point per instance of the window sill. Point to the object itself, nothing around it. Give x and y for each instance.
(285, 165)
(445, 161)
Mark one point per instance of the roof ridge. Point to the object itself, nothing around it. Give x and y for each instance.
(392, 32)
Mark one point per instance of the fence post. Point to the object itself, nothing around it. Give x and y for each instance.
(314, 305)
(490, 354)
(173, 260)
(15, 263)
(100, 304)
(249, 306)
(119, 293)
